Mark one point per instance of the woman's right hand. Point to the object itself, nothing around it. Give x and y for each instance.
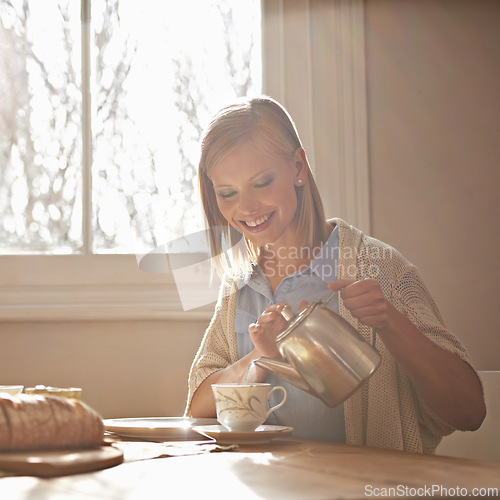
(263, 333)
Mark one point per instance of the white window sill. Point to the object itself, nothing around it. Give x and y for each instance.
(90, 288)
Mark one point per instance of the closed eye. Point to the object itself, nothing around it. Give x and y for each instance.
(226, 195)
(265, 183)
(229, 194)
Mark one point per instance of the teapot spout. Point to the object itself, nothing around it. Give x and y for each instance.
(284, 371)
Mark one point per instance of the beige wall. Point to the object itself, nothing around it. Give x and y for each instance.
(433, 79)
(434, 151)
(126, 369)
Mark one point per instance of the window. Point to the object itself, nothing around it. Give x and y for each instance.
(312, 61)
(103, 107)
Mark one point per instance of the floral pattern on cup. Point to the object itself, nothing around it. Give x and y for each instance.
(243, 407)
(237, 402)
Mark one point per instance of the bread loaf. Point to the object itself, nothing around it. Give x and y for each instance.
(35, 422)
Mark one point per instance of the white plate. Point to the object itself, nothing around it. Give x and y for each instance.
(263, 434)
(156, 428)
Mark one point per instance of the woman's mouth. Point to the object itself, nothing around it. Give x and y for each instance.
(258, 223)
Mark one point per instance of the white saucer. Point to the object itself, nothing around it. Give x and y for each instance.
(156, 428)
(263, 434)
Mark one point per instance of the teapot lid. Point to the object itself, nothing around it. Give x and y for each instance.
(295, 319)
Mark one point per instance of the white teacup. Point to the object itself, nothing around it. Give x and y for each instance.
(243, 407)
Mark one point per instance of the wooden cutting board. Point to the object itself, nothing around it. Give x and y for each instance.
(60, 462)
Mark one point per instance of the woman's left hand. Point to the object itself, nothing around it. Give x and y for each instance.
(365, 301)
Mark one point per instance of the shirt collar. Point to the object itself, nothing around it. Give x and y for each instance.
(324, 265)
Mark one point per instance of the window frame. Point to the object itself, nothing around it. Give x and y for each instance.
(88, 286)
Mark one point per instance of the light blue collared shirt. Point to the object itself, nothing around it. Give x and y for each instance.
(308, 415)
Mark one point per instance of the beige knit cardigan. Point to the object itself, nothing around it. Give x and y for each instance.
(386, 411)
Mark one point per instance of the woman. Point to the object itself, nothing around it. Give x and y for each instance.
(255, 178)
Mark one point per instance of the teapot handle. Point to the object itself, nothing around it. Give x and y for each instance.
(288, 314)
(330, 297)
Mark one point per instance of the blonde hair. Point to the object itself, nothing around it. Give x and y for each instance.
(265, 124)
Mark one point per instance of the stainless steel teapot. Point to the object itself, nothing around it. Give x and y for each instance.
(323, 354)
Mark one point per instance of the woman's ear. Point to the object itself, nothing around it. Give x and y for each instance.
(301, 166)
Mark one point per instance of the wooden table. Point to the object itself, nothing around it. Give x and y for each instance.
(282, 469)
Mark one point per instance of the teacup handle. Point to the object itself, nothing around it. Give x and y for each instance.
(281, 403)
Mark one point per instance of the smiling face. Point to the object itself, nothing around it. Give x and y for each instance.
(254, 178)
(255, 193)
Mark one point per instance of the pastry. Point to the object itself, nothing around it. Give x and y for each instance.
(36, 422)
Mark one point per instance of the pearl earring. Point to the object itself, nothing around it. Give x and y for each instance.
(299, 181)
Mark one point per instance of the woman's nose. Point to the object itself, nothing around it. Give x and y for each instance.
(249, 203)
